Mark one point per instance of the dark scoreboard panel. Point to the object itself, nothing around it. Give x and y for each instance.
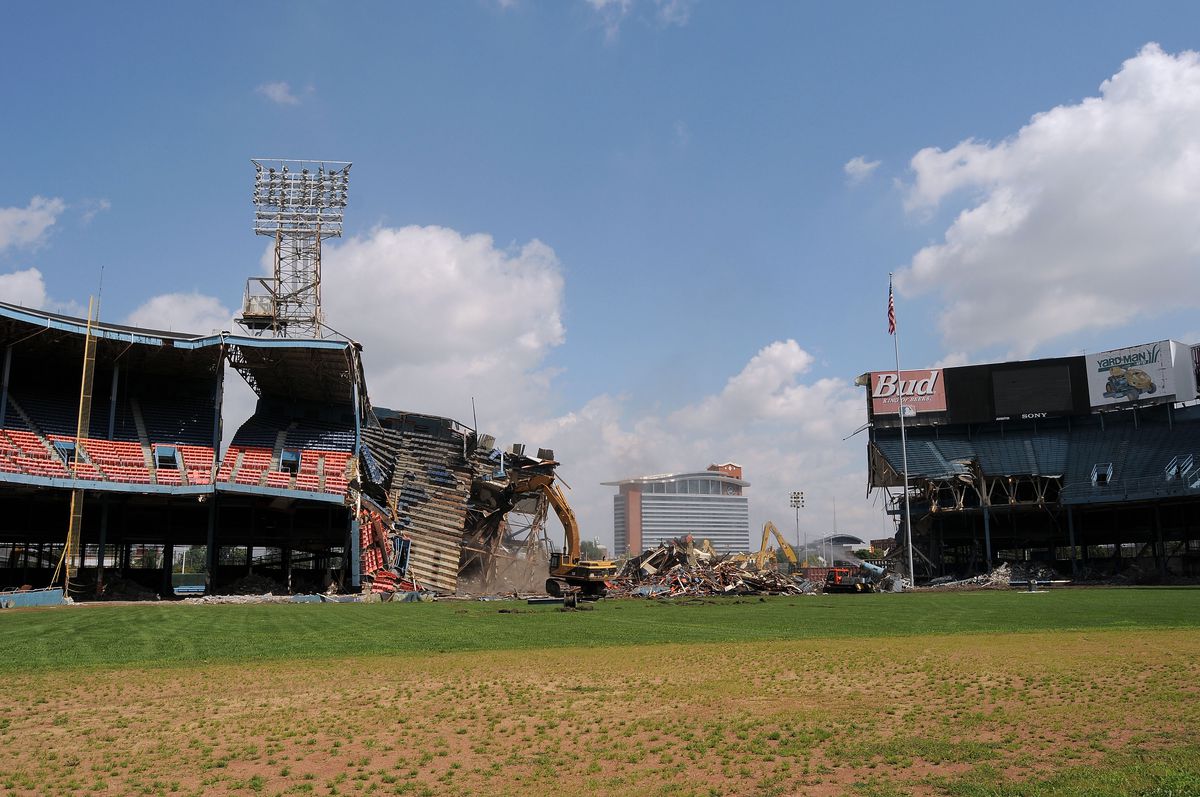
(1031, 390)
(1015, 391)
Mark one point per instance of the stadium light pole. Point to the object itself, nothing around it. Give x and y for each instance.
(298, 203)
(798, 504)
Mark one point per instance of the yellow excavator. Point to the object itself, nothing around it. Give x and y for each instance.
(570, 576)
(764, 553)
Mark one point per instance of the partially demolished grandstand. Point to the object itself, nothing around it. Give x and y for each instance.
(315, 491)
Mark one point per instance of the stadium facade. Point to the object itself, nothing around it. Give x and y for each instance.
(708, 504)
(1088, 464)
(317, 491)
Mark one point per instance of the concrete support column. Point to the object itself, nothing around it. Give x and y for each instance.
(4, 385)
(168, 588)
(987, 538)
(354, 559)
(1071, 540)
(210, 549)
(103, 545)
(1160, 548)
(112, 402)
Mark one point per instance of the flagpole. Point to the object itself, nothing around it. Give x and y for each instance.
(903, 437)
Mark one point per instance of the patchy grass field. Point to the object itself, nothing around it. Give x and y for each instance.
(1069, 693)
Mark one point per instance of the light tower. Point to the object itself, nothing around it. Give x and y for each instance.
(298, 203)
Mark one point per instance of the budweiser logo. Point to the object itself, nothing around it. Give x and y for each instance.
(920, 390)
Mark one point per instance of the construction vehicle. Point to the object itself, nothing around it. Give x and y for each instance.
(853, 577)
(570, 576)
(765, 553)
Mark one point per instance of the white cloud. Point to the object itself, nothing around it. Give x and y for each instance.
(444, 316)
(858, 169)
(278, 92)
(785, 432)
(674, 12)
(28, 288)
(93, 207)
(666, 13)
(192, 313)
(1085, 218)
(953, 360)
(25, 288)
(27, 226)
(612, 14)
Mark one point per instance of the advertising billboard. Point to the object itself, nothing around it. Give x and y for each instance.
(920, 391)
(1150, 373)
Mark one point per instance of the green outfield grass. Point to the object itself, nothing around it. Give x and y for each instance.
(172, 634)
(1069, 693)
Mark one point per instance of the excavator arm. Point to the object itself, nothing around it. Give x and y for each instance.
(788, 550)
(760, 558)
(569, 574)
(566, 516)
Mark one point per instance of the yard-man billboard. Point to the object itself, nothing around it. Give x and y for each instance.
(922, 391)
(1151, 373)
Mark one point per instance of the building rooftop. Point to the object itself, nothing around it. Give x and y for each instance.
(670, 477)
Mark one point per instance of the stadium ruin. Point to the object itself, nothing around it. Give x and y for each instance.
(1086, 465)
(317, 491)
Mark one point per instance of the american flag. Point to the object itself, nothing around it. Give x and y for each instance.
(891, 310)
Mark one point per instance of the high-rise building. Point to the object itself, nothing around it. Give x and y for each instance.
(708, 504)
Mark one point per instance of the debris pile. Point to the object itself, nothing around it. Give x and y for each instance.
(241, 598)
(254, 584)
(1002, 577)
(117, 588)
(678, 568)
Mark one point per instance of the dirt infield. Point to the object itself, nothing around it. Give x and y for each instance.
(919, 715)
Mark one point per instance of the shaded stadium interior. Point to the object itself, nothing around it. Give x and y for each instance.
(1091, 494)
(150, 464)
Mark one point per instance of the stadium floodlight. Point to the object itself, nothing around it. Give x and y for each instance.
(299, 203)
(797, 502)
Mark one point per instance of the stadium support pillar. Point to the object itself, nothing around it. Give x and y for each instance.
(1071, 540)
(4, 386)
(112, 401)
(1160, 548)
(987, 537)
(354, 563)
(168, 589)
(103, 545)
(210, 550)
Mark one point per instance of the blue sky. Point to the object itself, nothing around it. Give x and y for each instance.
(664, 185)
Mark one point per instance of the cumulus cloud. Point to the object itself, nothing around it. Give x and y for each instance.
(444, 316)
(858, 169)
(28, 288)
(278, 92)
(1085, 218)
(786, 433)
(27, 226)
(192, 313)
(25, 288)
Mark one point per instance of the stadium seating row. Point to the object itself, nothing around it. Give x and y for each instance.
(319, 471)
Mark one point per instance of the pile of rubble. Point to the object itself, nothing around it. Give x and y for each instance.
(254, 584)
(1002, 577)
(678, 568)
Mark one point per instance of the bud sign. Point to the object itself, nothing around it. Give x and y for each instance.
(921, 391)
